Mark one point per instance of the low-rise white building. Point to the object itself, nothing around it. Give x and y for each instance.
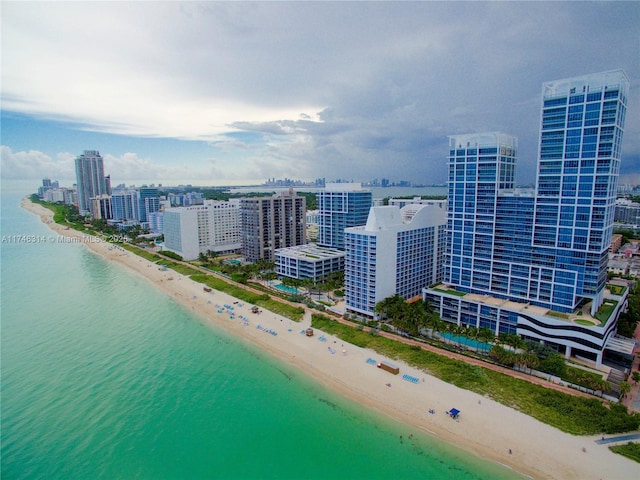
(618, 267)
(578, 333)
(308, 261)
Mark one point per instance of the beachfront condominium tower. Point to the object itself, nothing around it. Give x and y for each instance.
(398, 251)
(340, 206)
(125, 205)
(270, 223)
(580, 143)
(520, 255)
(90, 179)
(213, 226)
(149, 202)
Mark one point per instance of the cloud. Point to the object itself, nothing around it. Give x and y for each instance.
(128, 168)
(35, 165)
(335, 89)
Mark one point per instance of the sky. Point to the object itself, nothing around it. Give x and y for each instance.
(235, 93)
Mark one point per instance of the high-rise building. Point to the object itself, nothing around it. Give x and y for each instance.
(225, 233)
(270, 223)
(580, 143)
(149, 202)
(340, 206)
(125, 205)
(90, 179)
(101, 207)
(529, 260)
(398, 251)
(190, 231)
(180, 228)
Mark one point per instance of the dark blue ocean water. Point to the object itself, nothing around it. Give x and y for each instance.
(103, 376)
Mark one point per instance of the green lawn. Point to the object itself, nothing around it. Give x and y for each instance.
(630, 450)
(450, 292)
(586, 323)
(571, 414)
(147, 255)
(616, 289)
(605, 310)
(575, 415)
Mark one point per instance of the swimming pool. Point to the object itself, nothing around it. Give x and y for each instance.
(285, 288)
(467, 342)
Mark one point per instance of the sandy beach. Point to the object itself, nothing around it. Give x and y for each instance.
(485, 428)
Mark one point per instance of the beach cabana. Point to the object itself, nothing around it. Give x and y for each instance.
(453, 413)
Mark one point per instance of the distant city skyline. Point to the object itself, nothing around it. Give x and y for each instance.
(233, 93)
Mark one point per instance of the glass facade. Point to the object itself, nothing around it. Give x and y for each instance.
(149, 202)
(580, 138)
(340, 209)
(481, 167)
(90, 179)
(549, 249)
(125, 205)
(360, 271)
(511, 251)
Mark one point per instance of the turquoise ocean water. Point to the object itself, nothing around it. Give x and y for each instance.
(103, 376)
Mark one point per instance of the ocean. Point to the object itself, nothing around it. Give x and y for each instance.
(104, 376)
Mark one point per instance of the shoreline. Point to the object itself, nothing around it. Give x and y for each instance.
(487, 429)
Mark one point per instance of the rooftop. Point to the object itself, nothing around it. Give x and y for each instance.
(613, 79)
(581, 316)
(310, 251)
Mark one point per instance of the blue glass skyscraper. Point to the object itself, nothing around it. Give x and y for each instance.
(90, 179)
(580, 142)
(149, 202)
(526, 259)
(340, 206)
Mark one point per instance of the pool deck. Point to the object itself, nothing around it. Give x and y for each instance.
(284, 288)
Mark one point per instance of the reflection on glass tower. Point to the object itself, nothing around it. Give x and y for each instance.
(549, 249)
(526, 261)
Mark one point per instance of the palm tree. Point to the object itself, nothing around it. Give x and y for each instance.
(486, 336)
(450, 328)
(518, 342)
(602, 385)
(534, 361)
(437, 324)
(625, 388)
(472, 334)
(461, 332)
(527, 360)
(270, 275)
(390, 307)
(310, 284)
